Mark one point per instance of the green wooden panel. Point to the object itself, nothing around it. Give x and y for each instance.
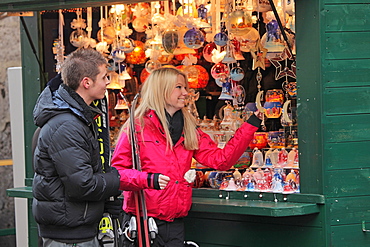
(346, 100)
(253, 207)
(31, 85)
(349, 235)
(261, 196)
(309, 220)
(309, 52)
(347, 45)
(38, 5)
(340, 73)
(350, 17)
(21, 192)
(349, 210)
(341, 183)
(345, 1)
(347, 155)
(214, 232)
(347, 128)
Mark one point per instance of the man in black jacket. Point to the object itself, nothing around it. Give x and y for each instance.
(69, 186)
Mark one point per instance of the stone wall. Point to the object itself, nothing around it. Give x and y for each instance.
(10, 56)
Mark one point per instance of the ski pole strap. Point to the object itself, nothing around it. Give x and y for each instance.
(153, 180)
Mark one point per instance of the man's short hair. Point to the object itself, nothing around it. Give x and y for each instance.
(83, 62)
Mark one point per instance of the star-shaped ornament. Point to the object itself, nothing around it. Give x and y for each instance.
(259, 54)
(281, 64)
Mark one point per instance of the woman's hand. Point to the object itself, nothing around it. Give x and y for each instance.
(163, 181)
(259, 114)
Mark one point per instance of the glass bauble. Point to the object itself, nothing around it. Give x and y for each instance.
(218, 70)
(240, 22)
(237, 74)
(207, 51)
(78, 37)
(137, 56)
(170, 39)
(151, 65)
(118, 55)
(126, 45)
(221, 39)
(194, 38)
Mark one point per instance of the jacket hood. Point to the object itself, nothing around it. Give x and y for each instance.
(51, 103)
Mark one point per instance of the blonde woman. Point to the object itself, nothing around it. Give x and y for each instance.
(168, 139)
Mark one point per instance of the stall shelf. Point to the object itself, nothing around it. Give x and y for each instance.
(332, 72)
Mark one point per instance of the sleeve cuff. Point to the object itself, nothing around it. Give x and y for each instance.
(254, 120)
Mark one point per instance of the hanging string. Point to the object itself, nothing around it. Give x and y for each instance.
(102, 24)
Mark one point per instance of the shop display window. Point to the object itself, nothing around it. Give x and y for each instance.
(239, 57)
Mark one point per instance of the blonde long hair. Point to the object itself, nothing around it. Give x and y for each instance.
(156, 90)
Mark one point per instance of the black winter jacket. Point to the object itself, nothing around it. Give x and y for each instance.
(69, 188)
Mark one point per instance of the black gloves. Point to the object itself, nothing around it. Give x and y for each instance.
(114, 208)
(153, 180)
(114, 171)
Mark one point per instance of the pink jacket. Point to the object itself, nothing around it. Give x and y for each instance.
(175, 200)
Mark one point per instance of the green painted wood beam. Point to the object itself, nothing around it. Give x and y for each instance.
(252, 207)
(21, 192)
(39, 5)
(8, 231)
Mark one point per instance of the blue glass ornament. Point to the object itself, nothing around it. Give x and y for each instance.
(194, 38)
(202, 12)
(237, 74)
(221, 39)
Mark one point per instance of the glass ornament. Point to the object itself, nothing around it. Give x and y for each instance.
(259, 140)
(151, 65)
(109, 35)
(78, 37)
(218, 70)
(192, 73)
(126, 45)
(240, 22)
(140, 24)
(221, 39)
(237, 74)
(202, 12)
(137, 56)
(203, 77)
(118, 55)
(194, 38)
(170, 39)
(207, 51)
(144, 75)
(249, 40)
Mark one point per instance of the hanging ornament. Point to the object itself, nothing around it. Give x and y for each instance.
(218, 70)
(237, 73)
(118, 55)
(259, 55)
(226, 93)
(237, 52)
(202, 12)
(198, 78)
(248, 40)
(194, 38)
(207, 51)
(182, 48)
(282, 66)
(151, 65)
(170, 39)
(137, 56)
(79, 36)
(221, 39)
(240, 22)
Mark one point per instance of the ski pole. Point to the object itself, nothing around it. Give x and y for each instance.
(138, 196)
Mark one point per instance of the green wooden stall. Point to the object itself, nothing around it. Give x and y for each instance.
(333, 75)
